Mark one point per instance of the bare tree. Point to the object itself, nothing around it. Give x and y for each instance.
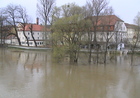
(11, 12)
(71, 9)
(55, 15)
(137, 35)
(5, 29)
(107, 28)
(137, 29)
(31, 31)
(2, 19)
(44, 10)
(1, 31)
(65, 10)
(96, 8)
(24, 20)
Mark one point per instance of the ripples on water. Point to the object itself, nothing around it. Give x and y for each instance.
(32, 74)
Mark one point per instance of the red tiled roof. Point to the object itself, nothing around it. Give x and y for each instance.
(106, 20)
(35, 27)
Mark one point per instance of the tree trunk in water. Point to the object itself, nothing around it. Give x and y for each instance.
(31, 30)
(26, 37)
(18, 40)
(73, 57)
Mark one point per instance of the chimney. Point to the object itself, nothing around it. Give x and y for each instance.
(37, 21)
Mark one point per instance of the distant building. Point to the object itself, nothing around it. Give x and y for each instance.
(11, 39)
(131, 32)
(111, 26)
(33, 30)
(6, 37)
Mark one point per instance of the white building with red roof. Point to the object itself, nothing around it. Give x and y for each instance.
(108, 27)
(33, 32)
(109, 24)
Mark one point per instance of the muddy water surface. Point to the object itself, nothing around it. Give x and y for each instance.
(32, 74)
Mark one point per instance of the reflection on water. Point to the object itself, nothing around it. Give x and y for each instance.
(31, 74)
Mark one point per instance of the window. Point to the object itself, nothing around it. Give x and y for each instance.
(30, 43)
(101, 38)
(124, 28)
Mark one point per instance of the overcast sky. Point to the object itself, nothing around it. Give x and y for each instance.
(125, 9)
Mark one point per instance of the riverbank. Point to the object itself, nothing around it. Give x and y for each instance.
(110, 51)
(29, 48)
(3, 45)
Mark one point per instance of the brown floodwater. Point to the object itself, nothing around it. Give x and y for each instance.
(32, 74)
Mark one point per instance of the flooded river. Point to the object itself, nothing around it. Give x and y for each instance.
(32, 74)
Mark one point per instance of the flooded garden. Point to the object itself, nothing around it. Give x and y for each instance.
(34, 74)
